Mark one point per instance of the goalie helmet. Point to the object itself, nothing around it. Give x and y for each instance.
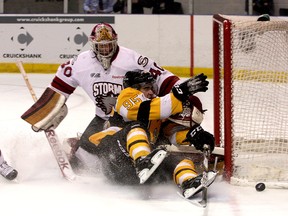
(137, 79)
(192, 113)
(104, 43)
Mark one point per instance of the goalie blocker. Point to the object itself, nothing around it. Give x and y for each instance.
(47, 112)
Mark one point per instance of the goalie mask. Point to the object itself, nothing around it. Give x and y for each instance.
(192, 113)
(104, 43)
(138, 79)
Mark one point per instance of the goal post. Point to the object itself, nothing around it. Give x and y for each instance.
(250, 62)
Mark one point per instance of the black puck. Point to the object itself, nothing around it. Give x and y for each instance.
(260, 186)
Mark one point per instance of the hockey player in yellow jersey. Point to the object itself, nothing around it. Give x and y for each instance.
(184, 129)
(133, 145)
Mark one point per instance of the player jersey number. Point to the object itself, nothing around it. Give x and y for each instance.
(67, 70)
(156, 72)
(129, 103)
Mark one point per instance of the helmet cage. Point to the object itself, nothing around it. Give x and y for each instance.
(104, 49)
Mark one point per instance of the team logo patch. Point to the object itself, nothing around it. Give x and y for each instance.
(105, 94)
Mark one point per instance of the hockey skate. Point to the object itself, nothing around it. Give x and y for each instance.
(7, 171)
(195, 185)
(146, 166)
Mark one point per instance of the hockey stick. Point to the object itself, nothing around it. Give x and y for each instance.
(191, 149)
(206, 156)
(53, 140)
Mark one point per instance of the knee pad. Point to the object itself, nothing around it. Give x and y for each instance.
(137, 140)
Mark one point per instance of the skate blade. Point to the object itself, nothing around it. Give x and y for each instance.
(211, 178)
(192, 191)
(194, 202)
(156, 160)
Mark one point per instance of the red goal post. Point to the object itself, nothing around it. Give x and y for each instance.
(250, 61)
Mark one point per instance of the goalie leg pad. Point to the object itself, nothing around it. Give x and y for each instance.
(49, 107)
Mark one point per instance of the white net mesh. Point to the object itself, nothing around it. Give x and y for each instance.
(259, 100)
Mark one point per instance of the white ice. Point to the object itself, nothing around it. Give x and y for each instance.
(40, 188)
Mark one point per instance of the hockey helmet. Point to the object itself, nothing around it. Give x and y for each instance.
(137, 79)
(104, 43)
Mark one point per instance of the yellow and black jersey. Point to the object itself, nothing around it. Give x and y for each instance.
(133, 105)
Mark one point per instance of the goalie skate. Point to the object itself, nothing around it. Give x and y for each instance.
(70, 146)
(146, 166)
(196, 185)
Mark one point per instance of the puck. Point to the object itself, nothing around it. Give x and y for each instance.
(260, 187)
(264, 17)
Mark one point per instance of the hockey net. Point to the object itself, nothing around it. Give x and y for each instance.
(251, 98)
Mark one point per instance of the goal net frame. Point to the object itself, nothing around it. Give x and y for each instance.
(226, 75)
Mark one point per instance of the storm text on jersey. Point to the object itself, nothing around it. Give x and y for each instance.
(105, 94)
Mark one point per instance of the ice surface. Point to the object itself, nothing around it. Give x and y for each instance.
(41, 190)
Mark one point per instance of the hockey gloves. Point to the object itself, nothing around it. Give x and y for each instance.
(54, 122)
(47, 112)
(198, 137)
(190, 87)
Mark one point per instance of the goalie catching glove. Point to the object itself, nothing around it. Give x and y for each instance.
(199, 137)
(47, 112)
(190, 87)
(192, 113)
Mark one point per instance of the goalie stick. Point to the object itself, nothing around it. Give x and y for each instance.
(53, 140)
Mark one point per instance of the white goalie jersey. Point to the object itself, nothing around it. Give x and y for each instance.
(103, 86)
